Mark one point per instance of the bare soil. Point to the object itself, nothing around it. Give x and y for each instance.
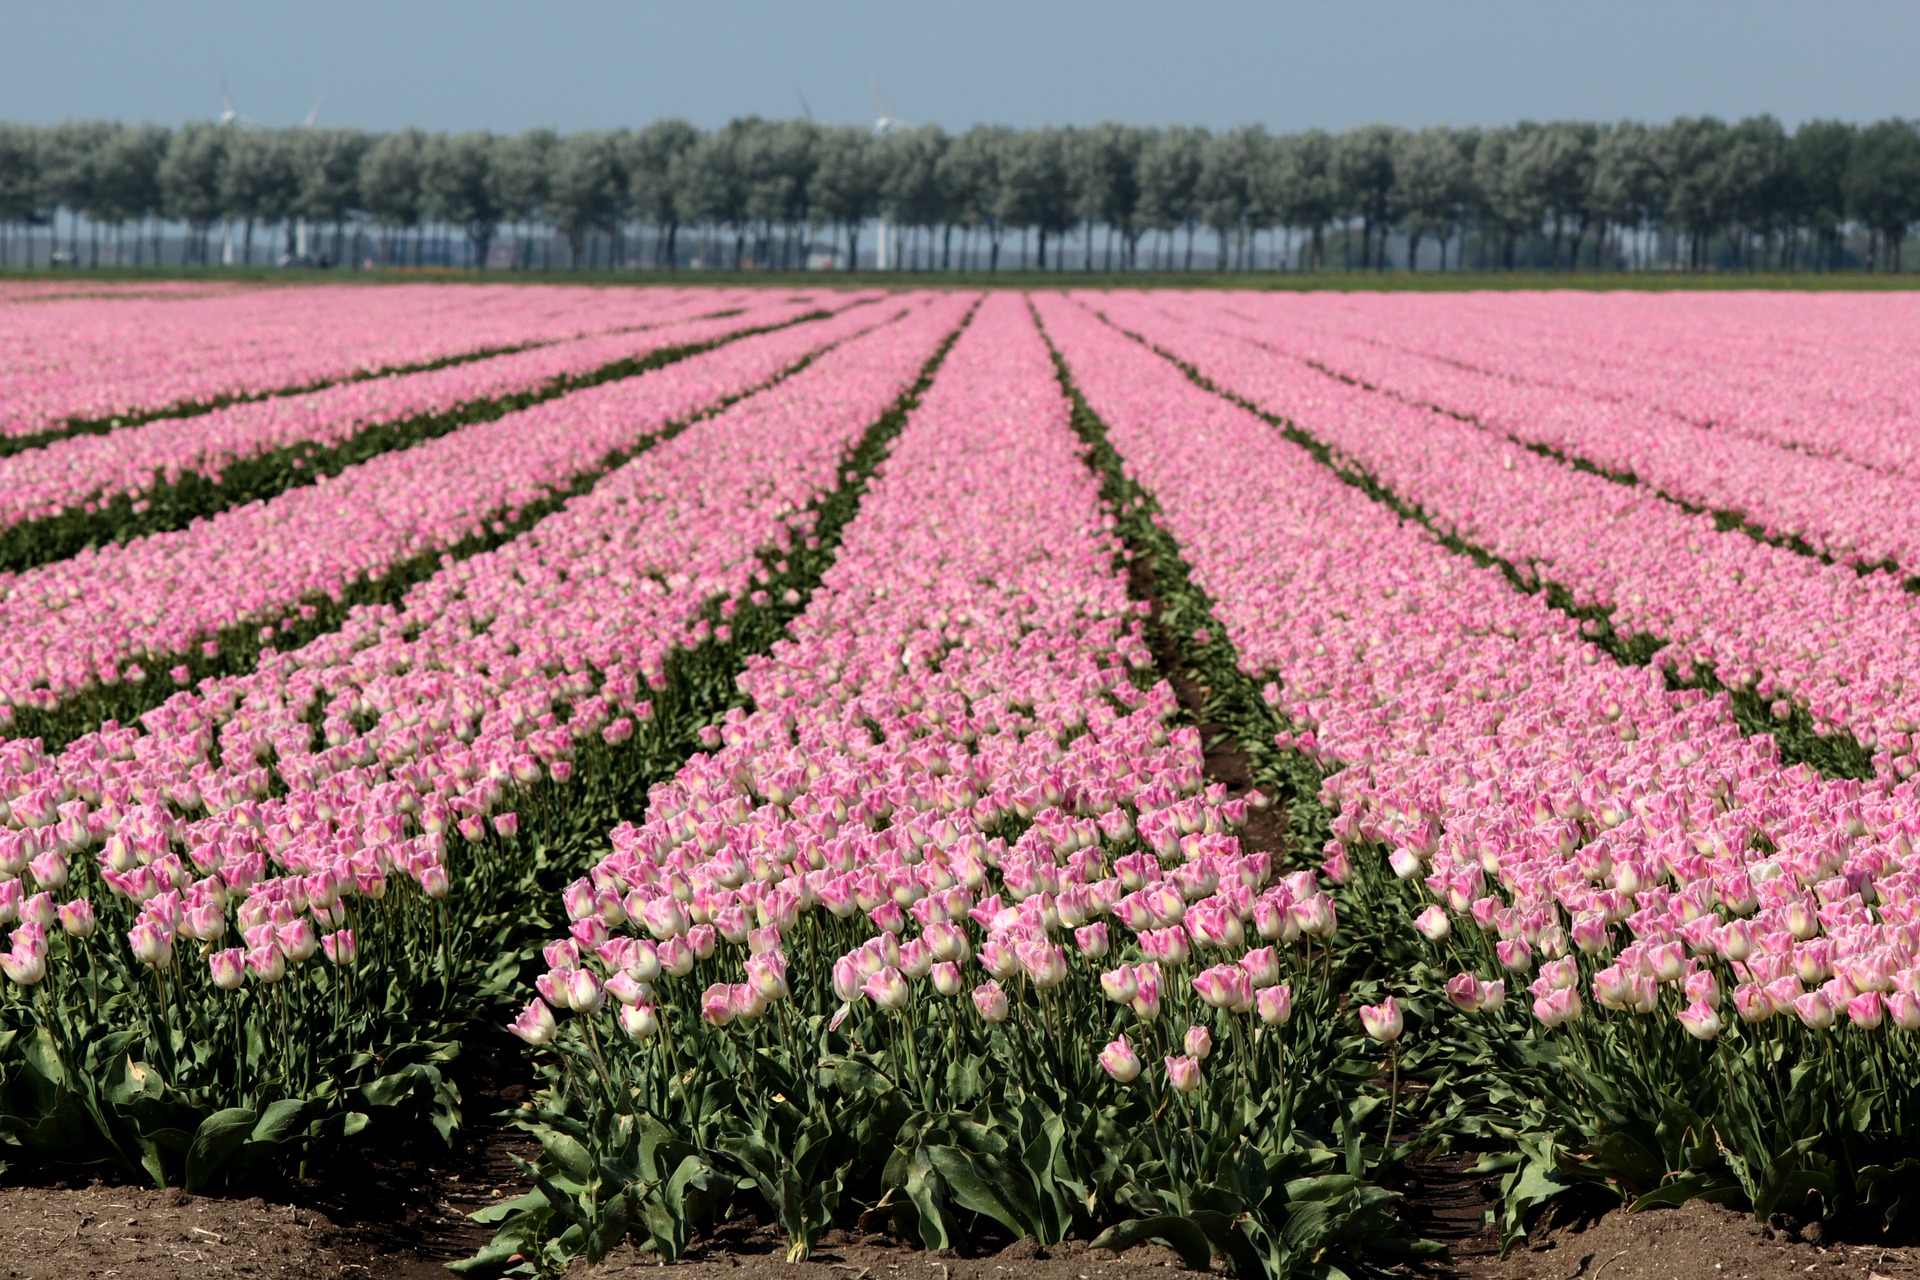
(137, 1233)
(760, 1254)
(1694, 1242)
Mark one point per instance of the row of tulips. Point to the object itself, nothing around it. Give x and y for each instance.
(219, 588)
(276, 901)
(89, 475)
(1822, 375)
(1716, 955)
(88, 361)
(1786, 630)
(949, 927)
(1829, 506)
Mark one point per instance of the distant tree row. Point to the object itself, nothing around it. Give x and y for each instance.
(1692, 194)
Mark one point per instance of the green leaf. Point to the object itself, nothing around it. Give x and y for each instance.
(567, 1154)
(971, 1190)
(218, 1137)
(1680, 1190)
(1183, 1235)
(282, 1120)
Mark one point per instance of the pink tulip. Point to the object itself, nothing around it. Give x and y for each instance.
(1701, 1020)
(229, 968)
(716, 1004)
(991, 1001)
(76, 917)
(1465, 991)
(1198, 1043)
(1274, 1004)
(1383, 1021)
(1183, 1073)
(535, 1024)
(1120, 1061)
(887, 989)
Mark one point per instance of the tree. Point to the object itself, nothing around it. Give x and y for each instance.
(1169, 183)
(911, 193)
(1363, 179)
(1883, 185)
(652, 191)
(1037, 187)
(524, 164)
(846, 184)
(1696, 202)
(190, 180)
(1430, 178)
(466, 188)
(970, 173)
(1107, 177)
(23, 197)
(1754, 183)
(1224, 189)
(127, 179)
(1551, 168)
(1817, 162)
(330, 178)
(1627, 178)
(585, 186)
(390, 183)
(1299, 188)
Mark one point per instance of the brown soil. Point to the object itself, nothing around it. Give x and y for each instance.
(401, 1210)
(753, 1255)
(1225, 759)
(142, 1234)
(1694, 1242)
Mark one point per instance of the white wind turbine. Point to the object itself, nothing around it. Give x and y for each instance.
(885, 125)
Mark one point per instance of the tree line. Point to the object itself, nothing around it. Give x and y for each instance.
(1694, 194)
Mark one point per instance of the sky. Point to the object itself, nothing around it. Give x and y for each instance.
(571, 64)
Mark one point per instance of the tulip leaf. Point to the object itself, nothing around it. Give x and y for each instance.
(1183, 1235)
(218, 1137)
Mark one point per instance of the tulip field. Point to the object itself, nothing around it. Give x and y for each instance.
(1135, 766)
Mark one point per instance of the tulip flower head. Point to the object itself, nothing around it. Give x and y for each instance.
(1383, 1021)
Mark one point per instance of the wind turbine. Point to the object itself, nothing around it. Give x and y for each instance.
(885, 125)
(228, 116)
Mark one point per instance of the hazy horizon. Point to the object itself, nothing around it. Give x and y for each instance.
(597, 63)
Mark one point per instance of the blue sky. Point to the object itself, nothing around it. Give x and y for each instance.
(456, 64)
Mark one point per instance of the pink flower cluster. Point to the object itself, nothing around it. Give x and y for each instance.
(261, 562)
(496, 673)
(1824, 374)
(947, 762)
(86, 470)
(1847, 647)
(1556, 803)
(96, 357)
(1846, 510)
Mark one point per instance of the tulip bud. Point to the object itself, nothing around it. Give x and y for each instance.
(1120, 1061)
(1275, 1004)
(77, 918)
(887, 989)
(991, 1001)
(640, 1021)
(1701, 1020)
(1383, 1021)
(1433, 924)
(535, 1024)
(716, 1004)
(229, 968)
(1198, 1042)
(1183, 1073)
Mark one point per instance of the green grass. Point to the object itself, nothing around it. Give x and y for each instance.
(1013, 278)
